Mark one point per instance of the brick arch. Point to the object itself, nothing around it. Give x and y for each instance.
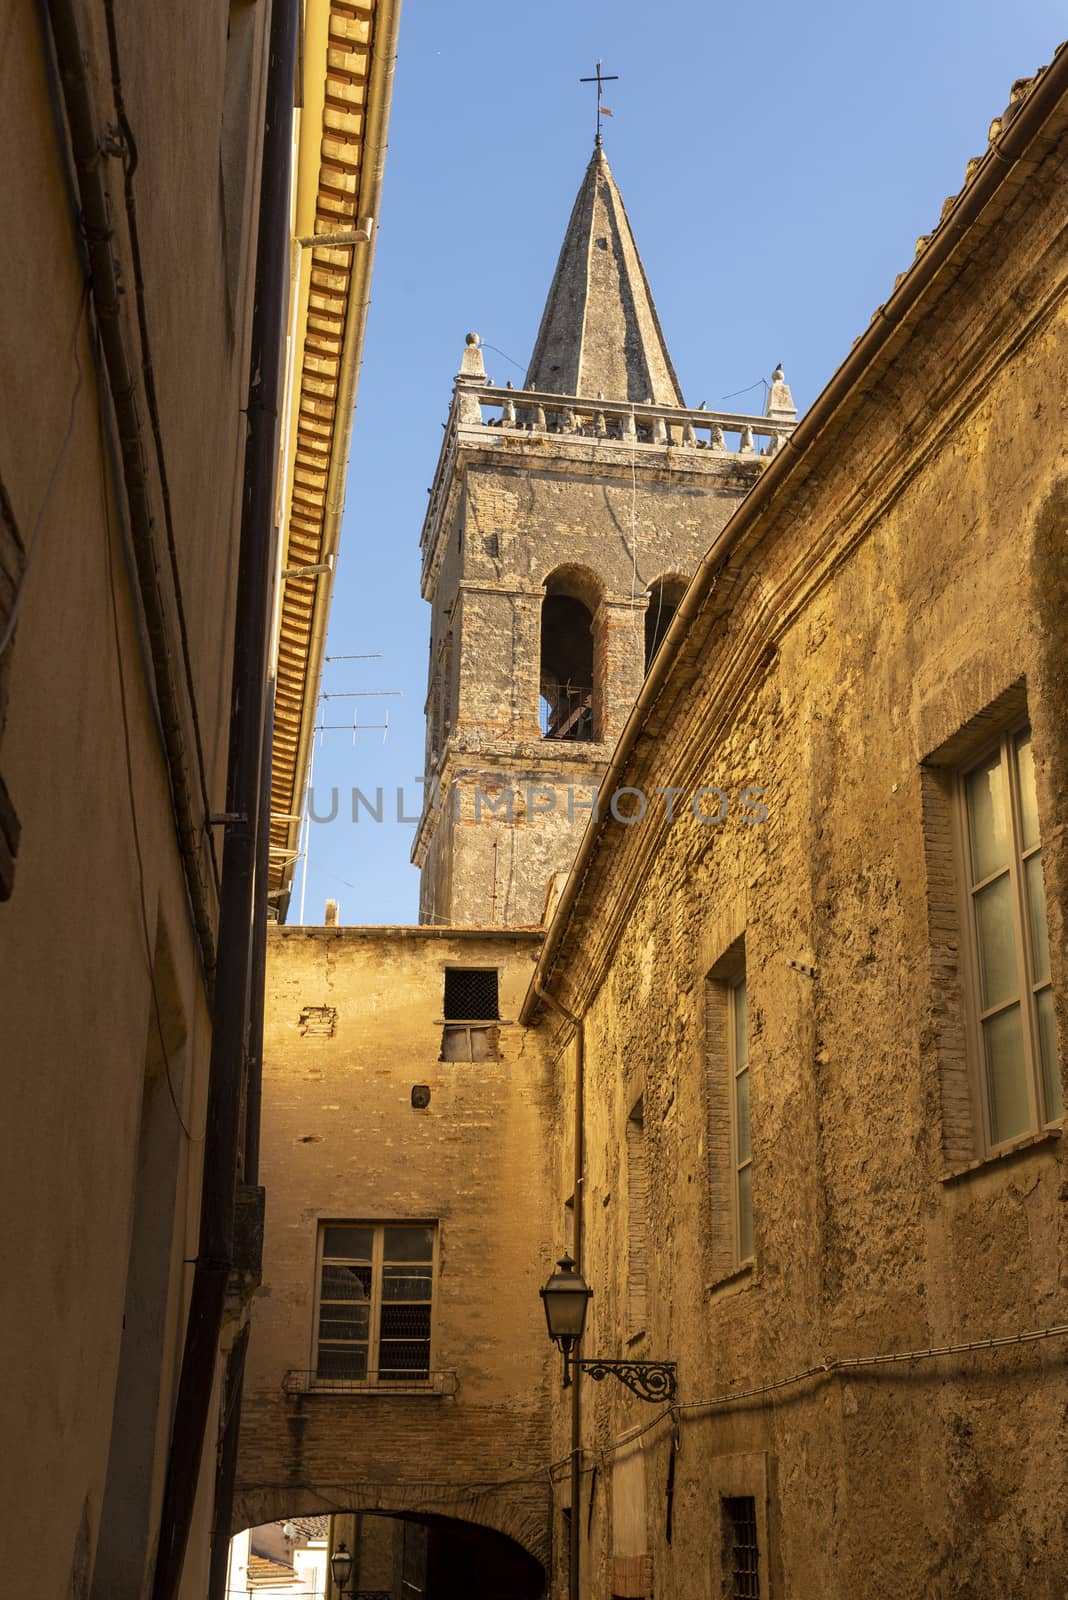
(521, 1514)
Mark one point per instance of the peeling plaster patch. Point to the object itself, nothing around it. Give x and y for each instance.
(317, 1022)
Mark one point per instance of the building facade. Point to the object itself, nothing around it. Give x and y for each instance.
(400, 1363)
(161, 174)
(823, 1041)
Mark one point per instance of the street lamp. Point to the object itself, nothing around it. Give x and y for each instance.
(565, 1297)
(341, 1567)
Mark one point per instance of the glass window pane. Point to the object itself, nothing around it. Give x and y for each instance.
(745, 1213)
(398, 1361)
(1006, 1079)
(1025, 763)
(988, 818)
(996, 939)
(405, 1322)
(344, 1322)
(1036, 911)
(739, 1009)
(340, 1361)
(741, 1105)
(409, 1243)
(345, 1283)
(404, 1283)
(351, 1244)
(1051, 1071)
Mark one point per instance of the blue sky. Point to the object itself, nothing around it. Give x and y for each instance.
(778, 163)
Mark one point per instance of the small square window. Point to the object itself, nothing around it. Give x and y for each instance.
(471, 1012)
(471, 994)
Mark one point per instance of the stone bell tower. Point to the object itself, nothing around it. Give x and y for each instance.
(565, 520)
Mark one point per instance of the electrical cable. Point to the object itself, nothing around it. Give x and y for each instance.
(31, 548)
(749, 386)
(138, 854)
(823, 1369)
(504, 353)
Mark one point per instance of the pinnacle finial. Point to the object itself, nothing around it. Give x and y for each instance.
(780, 404)
(472, 366)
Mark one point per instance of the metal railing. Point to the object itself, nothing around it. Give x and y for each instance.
(390, 1382)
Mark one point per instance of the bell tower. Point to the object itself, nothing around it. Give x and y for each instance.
(565, 520)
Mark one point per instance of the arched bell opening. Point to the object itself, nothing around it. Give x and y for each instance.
(568, 687)
(664, 597)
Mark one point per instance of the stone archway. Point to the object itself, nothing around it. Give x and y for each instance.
(520, 1514)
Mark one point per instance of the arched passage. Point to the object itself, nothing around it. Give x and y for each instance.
(568, 686)
(503, 1536)
(664, 596)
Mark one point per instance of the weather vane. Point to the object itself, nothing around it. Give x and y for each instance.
(600, 78)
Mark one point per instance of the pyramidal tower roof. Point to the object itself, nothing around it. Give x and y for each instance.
(599, 333)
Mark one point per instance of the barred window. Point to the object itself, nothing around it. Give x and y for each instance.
(375, 1288)
(471, 994)
(471, 1012)
(741, 1556)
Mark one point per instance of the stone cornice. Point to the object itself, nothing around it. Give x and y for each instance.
(679, 457)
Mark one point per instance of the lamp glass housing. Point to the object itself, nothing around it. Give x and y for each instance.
(565, 1297)
(341, 1566)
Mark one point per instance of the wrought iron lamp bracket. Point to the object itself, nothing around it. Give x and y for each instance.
(649, 1380)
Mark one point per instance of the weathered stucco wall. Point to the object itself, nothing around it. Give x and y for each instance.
(100, 1186)
(342, 1141)
(915, 582)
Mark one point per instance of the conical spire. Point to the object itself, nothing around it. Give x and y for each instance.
(599, 332)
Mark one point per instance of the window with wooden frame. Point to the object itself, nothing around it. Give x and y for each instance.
(374, 1294)
(1013, 1039)
(730, 1144)
(472, 1011)
(741, 1140)
(637, 1223)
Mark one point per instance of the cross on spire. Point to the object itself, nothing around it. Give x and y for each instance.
(599, 79)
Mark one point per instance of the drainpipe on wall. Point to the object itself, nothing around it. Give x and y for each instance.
(107, 295)
(579, 1025)
(244, 891)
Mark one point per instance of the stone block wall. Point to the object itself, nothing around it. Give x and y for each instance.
(903, 605)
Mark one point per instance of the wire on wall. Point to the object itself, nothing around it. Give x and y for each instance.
(128, 759)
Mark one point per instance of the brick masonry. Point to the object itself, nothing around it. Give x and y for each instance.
(342, 1141)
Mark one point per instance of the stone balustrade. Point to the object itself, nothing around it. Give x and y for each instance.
(623, 421)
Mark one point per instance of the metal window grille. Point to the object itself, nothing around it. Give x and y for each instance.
(471, 994)
(741, 1554)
